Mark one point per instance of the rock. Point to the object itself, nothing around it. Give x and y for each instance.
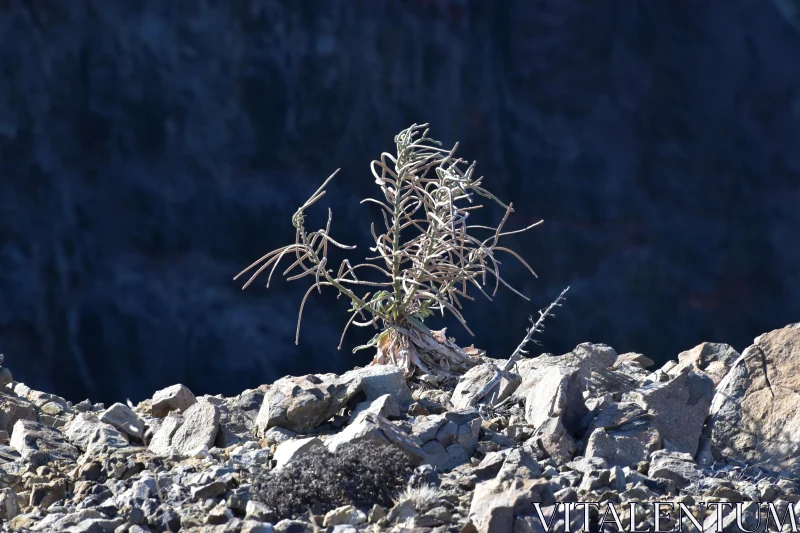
(199, 429)
(9, 504)
(495, 503)
(92, 436)
(96, 525)
(29, 437)
(520, 463)
(436, 454)
(377, 380)
(711, 358)
(490, 464)
(346, 515)
(630, 357)
(290, 450)
(679, 407)
(426, 427)
(754, 415)
(209, 490)
(43, 495)
(258, 511)
(303, 403)
(160, 443)
(402, 511)
(553, 390)
(12, 409)
(237, 420)
(376, 428)
(175, 398)
(555, 439)
(385, 406)
(253, 526)
(277, 435)
(623, 447)
(677, 466)
(124, 419)
(478, 377)
(557, 394)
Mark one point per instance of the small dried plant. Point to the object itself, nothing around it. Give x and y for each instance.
(427, 256)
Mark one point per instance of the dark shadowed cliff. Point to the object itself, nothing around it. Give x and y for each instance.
(149, 150)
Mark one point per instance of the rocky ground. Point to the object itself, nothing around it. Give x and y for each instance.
(590, 425)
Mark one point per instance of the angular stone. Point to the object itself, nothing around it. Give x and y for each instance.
(29, 437)
(520, 463)
(209, 490)
(43, 495)
(496, 503)
(468, 435)
(174, 398)
(303, 403)
(712, 358)
(754, 414)
(679, 467)
(290, 450)
(478, 377)
(582, 360)
(198, 431)
(623, 447)
(385, 406)
(12, 409)
(679, 407)
(278, 435)
(426, 427)
(9, 504)
(555, 439)
(631, 357)
(124, 419)
(237, 420)
(346, 515)
(435, 454)
(160, 443)
(92, 436)
(447, 433)
(490, 464)
(370, 427)
(377, 380)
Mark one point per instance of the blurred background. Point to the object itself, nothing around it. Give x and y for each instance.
(150, 150)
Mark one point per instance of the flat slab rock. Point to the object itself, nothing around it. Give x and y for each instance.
(29, 437)
(369, 426)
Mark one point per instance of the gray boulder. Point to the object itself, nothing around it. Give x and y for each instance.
(303, 403)
(174, 398)
(754, 412)
(371, 427)
(92, 436)
(288, 451)
(13, 408)
(377, 380)
(497, 503)
(29, 437)
(124, 419)
(478, 377)
(711, 358)
(679, 467)
(160, 444)
(679, 408)
(198, 431)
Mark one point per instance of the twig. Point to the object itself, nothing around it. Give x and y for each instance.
(536, 327)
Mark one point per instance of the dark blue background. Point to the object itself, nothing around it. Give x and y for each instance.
(149, 150)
